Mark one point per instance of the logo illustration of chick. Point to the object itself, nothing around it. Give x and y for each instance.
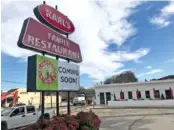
(49, 72)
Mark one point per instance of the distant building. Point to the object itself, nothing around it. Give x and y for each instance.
(153, 90)
(30, 98)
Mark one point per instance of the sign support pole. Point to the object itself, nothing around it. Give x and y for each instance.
(57, 93)
(57, 97)
(43, 97)
(68, 102)
(68, 110)
(57, 103)
(43, 102)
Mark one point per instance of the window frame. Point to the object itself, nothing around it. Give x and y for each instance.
(28, 112)
(20, 113)
(131, 93)
(147, 95)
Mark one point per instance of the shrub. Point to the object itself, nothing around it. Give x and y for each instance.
(46, 116)
(81, 121)
(89, 120)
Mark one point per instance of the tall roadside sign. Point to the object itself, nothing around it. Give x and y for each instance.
(46, 37)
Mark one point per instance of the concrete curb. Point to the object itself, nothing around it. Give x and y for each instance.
(133, 108)
(131, 112)
(131, 115)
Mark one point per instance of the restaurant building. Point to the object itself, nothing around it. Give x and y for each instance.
(152, 90)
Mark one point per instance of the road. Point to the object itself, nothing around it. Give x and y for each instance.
(144, 122)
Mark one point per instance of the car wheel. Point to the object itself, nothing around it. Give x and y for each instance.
(4, 126)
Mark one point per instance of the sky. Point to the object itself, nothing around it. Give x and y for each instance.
(114, 36)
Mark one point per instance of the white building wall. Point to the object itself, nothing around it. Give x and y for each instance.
(144, 103)
(142, 87)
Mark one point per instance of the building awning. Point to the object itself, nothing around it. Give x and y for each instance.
(121, 95)
(171, 92)
(138, 94)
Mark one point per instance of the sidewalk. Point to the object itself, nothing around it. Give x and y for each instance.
(123, 112)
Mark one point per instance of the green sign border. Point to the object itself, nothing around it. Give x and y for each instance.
(42, 84)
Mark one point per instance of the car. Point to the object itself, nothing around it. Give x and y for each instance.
(79, 99)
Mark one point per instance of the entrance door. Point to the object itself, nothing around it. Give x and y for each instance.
(108, 97)
(130, 95)
(167, 92)
(102, 98)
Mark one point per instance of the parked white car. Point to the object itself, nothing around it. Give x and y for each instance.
(19, 116)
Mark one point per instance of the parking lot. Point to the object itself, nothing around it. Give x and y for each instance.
(135, 119)
(145, 122)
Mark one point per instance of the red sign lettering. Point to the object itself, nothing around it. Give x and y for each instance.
(54, 19)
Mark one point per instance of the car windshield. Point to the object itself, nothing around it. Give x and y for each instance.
(6, 111)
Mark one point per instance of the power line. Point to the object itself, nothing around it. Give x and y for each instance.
(16, 82)
(8, 81)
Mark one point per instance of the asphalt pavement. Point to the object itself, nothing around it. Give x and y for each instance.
(146, 122)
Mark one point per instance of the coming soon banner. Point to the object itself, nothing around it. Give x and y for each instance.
(47, 74)
(68, 76)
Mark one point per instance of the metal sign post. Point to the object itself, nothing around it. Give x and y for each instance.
(57, 97)
(68, 102)
(43, 102)
(57, 93)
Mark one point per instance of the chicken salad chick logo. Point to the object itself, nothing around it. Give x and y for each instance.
(47, 72)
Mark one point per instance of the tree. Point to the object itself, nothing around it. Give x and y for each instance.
(124, 77)
(108, 81)
(153, 79)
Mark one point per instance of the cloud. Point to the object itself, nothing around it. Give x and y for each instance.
(126, 56)
(162, 20)
(148, 67)
(171, 60)
(97, 24)
(151, 72)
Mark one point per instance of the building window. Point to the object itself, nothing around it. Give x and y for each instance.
(130, 95)
(102, 98)
(147, 93)
(108, 97)
(139, 94)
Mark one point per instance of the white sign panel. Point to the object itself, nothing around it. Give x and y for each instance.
(69, 76)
